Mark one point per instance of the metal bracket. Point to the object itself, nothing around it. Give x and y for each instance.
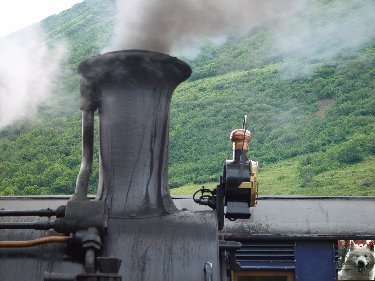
(108, 267)
(231, 247)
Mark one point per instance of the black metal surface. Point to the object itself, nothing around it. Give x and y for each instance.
(58, 277)
(298, 217)
(236, 172)
(97, 277)
(329, 218)
(132, 91)
(170, 247)
(82, 215)
(266, 255)
(29, 264)
(37, 225)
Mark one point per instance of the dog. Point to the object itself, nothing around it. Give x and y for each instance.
(359, 263)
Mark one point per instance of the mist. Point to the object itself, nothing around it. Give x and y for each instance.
(313, 37)
(181, 27)
(302, 36)
(28, 71)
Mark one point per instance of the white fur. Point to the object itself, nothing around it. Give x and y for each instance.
(359, 264)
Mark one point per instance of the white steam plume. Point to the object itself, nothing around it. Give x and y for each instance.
(27, 72)
(177, 26)
(322, 32)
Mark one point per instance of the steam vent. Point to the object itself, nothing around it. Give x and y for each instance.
(132, 91)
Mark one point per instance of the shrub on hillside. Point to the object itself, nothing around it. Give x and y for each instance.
(351, 151)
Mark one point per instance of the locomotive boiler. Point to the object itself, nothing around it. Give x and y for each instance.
(132, 230)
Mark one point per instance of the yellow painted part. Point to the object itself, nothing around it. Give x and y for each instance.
(252, 184)
(245, 184)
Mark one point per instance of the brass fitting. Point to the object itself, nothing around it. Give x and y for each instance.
(237, 137)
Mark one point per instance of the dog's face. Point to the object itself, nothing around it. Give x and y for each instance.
(361, 258)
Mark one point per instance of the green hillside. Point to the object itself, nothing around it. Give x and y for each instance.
(312, 135)
(282, 178)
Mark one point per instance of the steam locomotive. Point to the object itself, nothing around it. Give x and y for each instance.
(134, 230)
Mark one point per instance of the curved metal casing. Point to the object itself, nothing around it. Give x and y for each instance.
(132, 91)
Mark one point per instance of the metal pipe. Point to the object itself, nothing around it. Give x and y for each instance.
(208, 272)
(83, 178)
(28, 225)
(35, 242)
(90, 260)
(32, 213)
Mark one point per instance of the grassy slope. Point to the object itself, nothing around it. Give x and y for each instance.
(282, 179)
(282, 118)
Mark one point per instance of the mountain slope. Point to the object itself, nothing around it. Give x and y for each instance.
(241, 76)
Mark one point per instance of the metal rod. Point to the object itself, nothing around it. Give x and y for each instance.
(32, 213)
(35, 242)
(208, 272)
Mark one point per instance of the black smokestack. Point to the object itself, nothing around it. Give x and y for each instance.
(132, 91)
